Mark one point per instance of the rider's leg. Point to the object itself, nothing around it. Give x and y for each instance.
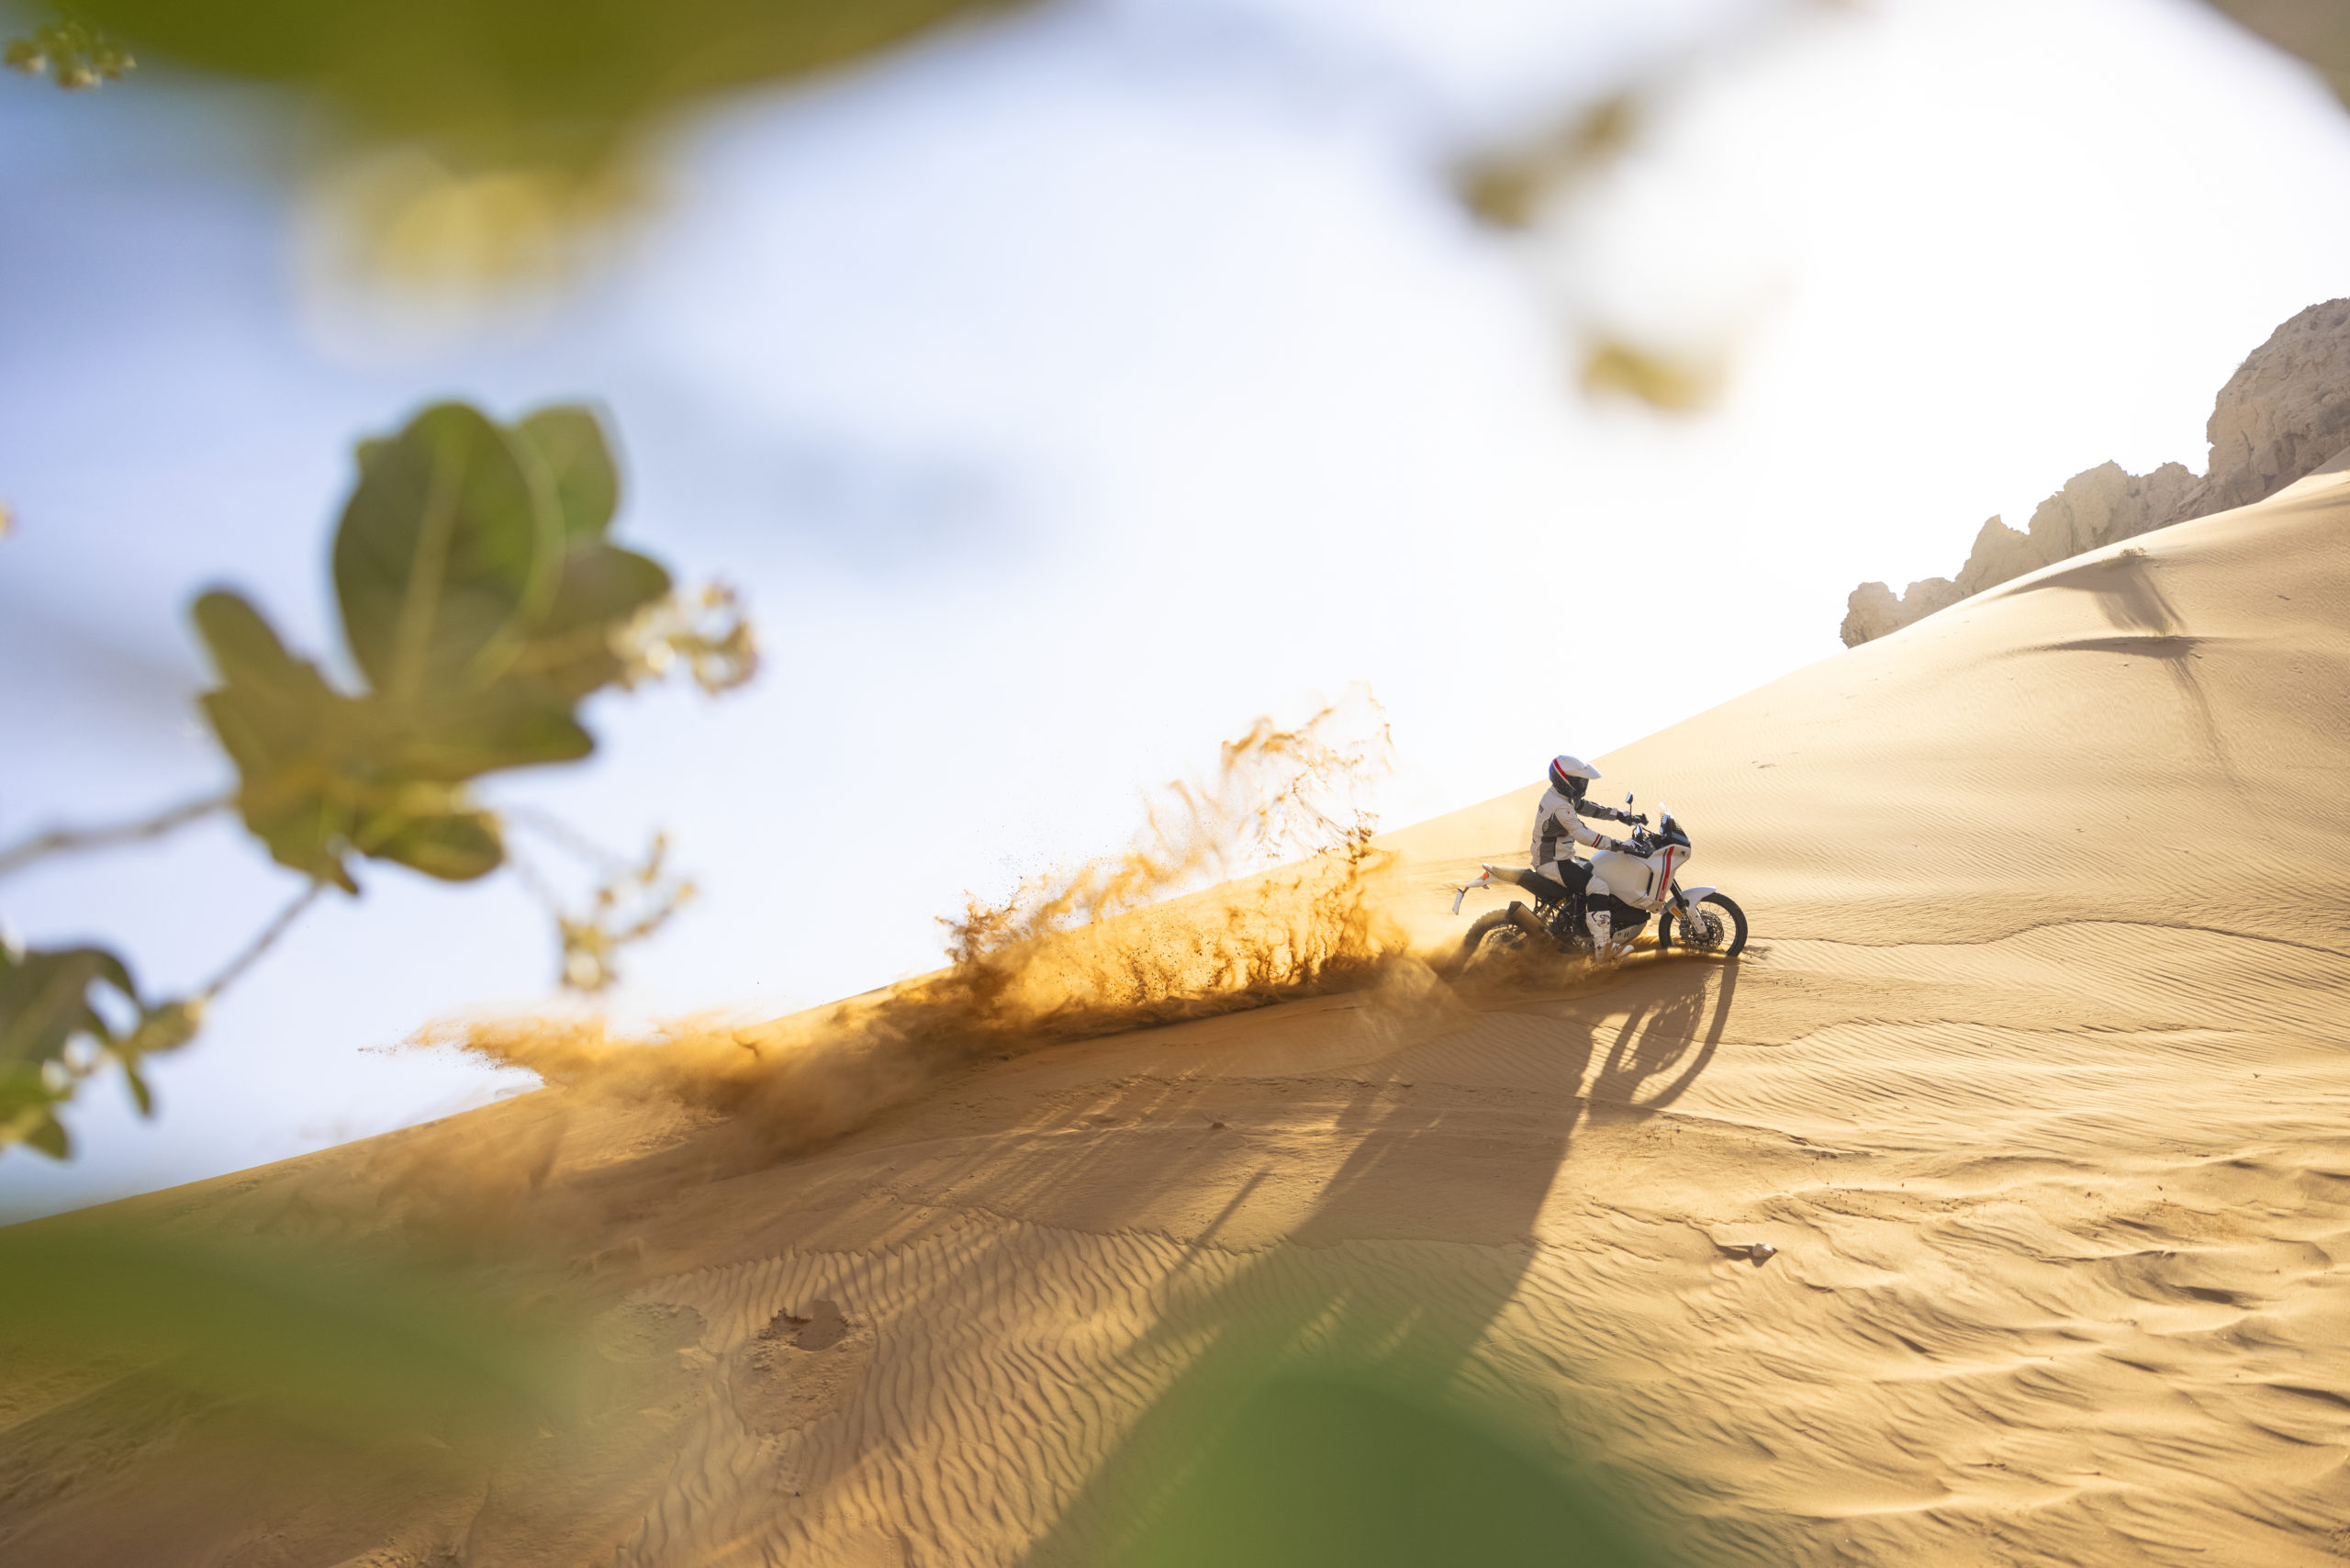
(1563, 883)
(1534, 882)
(1614, 924)
(1565, 880)
(1598, 917)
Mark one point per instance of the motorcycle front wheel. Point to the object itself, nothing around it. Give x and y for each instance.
(1718, 929)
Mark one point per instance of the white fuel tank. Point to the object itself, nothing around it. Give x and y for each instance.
(1640, 883)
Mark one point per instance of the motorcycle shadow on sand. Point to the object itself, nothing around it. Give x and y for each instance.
(1679, 1008)
(1674, 1029)
(1332, 1404)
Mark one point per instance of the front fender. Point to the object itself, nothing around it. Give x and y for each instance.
(1692, 897)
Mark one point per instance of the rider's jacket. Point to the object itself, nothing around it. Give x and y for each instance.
(1555, 818)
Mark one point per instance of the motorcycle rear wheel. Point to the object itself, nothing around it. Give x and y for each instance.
(1723, 935)
(1492, 936)
(1495, 930)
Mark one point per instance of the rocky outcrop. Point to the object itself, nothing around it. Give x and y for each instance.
(1873, 611)
(2284, 412)
(2281, 416)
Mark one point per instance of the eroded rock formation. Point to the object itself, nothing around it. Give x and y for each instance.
(2281, 416)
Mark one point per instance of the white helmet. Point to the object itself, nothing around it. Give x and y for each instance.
(1569, 774)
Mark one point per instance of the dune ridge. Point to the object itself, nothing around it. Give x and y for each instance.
(2281, 417)
(2034, 1082)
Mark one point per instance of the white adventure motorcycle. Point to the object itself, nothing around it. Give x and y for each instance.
(1638, 882)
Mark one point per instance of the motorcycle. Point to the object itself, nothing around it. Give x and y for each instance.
(1639, 882)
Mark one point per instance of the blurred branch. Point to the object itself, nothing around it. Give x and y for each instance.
(628, 906)
(1506, 188)
(1677, 385)
(709, 635)
(1532, 183)
(550, 826)
(235, 968)
(68, 841)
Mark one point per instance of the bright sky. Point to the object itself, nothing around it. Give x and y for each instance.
(1066, 395)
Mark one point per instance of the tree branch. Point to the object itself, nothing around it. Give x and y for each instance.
(68, 840)
(262, 944)
(547, 824)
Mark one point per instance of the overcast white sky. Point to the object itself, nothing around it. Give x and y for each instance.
(1067, 394)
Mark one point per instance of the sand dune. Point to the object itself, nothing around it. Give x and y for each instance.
(2035, 1077)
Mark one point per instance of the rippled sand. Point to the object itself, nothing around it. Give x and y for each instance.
(2036, 1078)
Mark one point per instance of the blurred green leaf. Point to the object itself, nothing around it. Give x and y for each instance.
(281, 724)
(493, 81)
(1353, 1471)
(570, 442)
(369, 1348)
(47, 1134)
(44, 999)
(599, 587)
(517, 724)
(26, 1114)
(161, 1027)
(602, 589)
(46, 1005)
(449, 547)
(456, 847)
(140, 1095)
(481, 601)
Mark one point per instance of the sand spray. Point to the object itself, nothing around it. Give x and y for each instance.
(1255, 886)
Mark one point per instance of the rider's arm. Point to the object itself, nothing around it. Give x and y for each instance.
(1586, 837)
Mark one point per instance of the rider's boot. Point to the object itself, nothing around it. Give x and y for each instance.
(1602, 925)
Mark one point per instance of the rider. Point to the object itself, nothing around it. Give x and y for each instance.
(1557, 873)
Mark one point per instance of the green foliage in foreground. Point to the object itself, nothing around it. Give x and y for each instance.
(1337, 1469)
(482, 601)
(370, 1349)
(47, 1010)
(68, 50)
(499, 80)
